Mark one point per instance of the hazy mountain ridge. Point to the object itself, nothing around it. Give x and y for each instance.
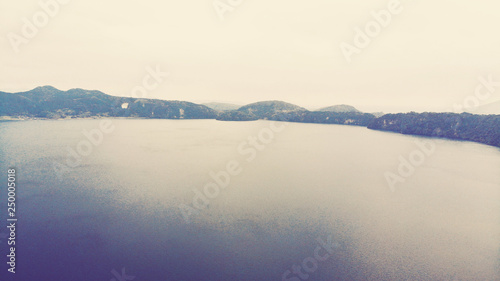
(378, 114)
(49, 102)
(269, 110)
(282, 111)
(221, 106)
(341, 108)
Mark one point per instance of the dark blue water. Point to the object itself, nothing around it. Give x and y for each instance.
(116, 215)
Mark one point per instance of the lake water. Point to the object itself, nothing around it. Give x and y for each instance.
(116, 214)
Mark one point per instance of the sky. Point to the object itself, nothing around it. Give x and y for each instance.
(426, 56)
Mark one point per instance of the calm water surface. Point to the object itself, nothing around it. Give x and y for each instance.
(119, 207)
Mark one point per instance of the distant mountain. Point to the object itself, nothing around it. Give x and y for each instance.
(271, 110)
(221, 106)
(378, 114)
(343, 108)
(490, 108)
(339, 108)
(282, 111)
(479, 128)
(49, 102)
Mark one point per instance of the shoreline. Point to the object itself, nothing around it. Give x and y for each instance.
(25, 118)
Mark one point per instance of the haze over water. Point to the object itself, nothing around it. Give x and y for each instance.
(120, 207)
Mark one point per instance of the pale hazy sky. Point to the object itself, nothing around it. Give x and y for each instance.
(429, 57)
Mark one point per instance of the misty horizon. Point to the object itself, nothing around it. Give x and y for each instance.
(260, 51)
(487, 108)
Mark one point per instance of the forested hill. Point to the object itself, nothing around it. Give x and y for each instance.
(340, 108)
(49, 102)
(478, 128)
(282, 111)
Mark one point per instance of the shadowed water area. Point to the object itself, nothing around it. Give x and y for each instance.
(118, 208)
